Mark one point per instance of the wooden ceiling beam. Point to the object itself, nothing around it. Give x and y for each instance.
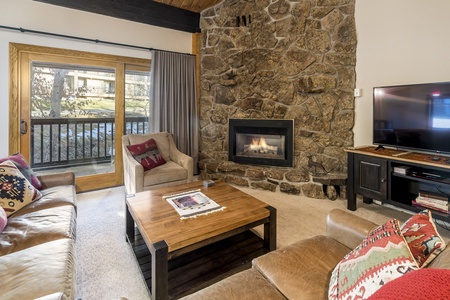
(142, 11)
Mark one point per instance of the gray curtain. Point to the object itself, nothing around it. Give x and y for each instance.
(173, 100)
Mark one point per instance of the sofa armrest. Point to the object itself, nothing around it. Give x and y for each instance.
(348, 229)
(55, 179)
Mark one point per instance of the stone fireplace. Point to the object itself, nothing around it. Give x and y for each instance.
(261, 142)
(295, 61)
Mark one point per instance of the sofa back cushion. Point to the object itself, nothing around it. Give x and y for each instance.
(348, 229)
(302, 270)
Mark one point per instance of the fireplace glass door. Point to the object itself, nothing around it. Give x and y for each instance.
(261, 142)
(260, 145)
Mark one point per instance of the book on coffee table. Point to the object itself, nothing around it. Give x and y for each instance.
(192, 204)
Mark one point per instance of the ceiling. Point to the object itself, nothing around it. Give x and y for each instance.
(191, 5)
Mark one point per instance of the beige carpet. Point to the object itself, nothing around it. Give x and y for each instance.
(301, 217)
(107, 269)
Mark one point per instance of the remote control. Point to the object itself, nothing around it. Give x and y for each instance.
(208, 183)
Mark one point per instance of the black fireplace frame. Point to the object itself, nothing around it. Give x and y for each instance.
(261, 126)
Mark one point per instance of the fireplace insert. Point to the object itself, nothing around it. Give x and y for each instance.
(261, 142)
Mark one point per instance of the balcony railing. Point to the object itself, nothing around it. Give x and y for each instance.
(59, 142)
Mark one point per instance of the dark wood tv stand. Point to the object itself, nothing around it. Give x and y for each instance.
(371, 174)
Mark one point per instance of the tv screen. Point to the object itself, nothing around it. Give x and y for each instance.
(415, 116)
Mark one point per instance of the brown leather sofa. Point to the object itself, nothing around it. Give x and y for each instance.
(301, 270)
(37, 246)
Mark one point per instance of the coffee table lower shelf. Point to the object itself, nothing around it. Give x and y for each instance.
(200, 268)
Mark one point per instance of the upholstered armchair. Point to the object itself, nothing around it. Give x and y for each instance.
(177, 169)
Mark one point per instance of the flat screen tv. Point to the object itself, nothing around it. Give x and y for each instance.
(413, 117)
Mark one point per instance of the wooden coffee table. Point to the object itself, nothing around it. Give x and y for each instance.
(178, 257)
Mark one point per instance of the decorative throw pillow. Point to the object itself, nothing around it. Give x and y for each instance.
(422, 284)
(147, 154)
(381, 257)
(23, 166)
(15, 190)
(423, 238)
(3, 219)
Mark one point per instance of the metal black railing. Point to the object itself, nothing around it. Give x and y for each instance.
(60, 142)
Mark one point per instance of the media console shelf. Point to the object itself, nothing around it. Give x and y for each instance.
(396, 177)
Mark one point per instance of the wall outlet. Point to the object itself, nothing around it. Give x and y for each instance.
(357, 92)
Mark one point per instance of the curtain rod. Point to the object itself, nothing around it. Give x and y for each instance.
(97, 41)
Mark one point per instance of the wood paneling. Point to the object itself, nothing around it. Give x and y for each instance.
(196, 40)
(192, 5)
(142, 11)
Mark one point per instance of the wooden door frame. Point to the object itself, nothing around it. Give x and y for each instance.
(19, 66)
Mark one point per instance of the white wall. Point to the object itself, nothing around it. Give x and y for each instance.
(38, 16)
(399, 42)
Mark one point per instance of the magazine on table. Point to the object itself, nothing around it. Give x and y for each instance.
(192, 203)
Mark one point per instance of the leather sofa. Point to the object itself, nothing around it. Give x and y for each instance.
(301, 270)
(37, 246)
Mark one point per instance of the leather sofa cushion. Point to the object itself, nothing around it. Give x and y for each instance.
(39, 271)
(168, 172)
(248, 285)
(56, 179)
(37, 227)
(302, 270)
(52, 197)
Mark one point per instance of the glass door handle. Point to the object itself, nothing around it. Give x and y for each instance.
(23, 126)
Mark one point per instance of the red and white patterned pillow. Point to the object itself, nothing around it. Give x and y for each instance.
(147, 154)
(423, 238)
(16, 191)
(380, 258)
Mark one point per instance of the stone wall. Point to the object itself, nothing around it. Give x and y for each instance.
(291, 60)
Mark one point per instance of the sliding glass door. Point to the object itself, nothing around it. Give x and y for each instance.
(72, 118)
(74, 110)
(137, 100)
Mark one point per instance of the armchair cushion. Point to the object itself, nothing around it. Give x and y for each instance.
(169, 173)
(147, 154)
